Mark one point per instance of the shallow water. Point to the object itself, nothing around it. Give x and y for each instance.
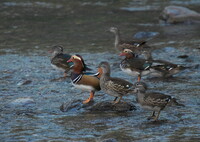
(29, 29)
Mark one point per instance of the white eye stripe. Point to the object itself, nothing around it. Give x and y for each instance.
(76, 57)
(127, 50)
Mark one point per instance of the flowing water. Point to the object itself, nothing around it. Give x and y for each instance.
(30, 100)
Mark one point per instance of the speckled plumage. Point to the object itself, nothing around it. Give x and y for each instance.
(154, 101)
(116, 87)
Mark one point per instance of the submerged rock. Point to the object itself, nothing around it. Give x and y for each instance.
(24, 82)
(145, 35)
(77, 105)
(179, 14)
(22, 101)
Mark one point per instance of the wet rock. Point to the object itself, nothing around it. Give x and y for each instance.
(183, 56)
(109, 106)
(22, 102)
(77, 105)
(24, 82)
(145, 35)
(178, 14)
(71, 106)
(110, 140)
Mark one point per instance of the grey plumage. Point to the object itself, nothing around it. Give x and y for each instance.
(116, 87)
(151, 100)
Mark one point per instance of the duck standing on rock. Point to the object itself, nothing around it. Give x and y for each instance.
(138, 47)
(152, 100)
(81, 80)
(59, 59)
(116, 87)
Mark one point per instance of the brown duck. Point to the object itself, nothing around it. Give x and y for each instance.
(138, 47)
(113, 86)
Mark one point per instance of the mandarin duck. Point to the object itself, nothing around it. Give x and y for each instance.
(138, 47)
(139, 67)
(81, 80)
(154, 101)
(116, 87)
(134, 66)
(59, 59)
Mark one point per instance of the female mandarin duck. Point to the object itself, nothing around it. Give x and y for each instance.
(116, 87)
(81, 80)
(138, 47)
(139, 67)
(134, 66)
(59, 59)
(152, 100)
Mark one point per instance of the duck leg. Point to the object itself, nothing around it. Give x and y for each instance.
(139, 78)
(152, 116)
(117, 101)
(90, 98)
(65, 75)
(156, 118)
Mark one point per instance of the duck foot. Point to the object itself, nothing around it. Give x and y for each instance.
(151, 117)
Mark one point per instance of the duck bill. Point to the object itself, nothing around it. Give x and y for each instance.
(70, 60)
(122, 54)
(50, 51)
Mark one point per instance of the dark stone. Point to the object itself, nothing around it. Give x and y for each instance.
(179, 14)
(145, 35)
(110, 140)
(77, 105)
(183, 56)
(109, 106)
(24, 82)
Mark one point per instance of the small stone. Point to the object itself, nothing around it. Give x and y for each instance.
(24, 82)
(183, 56)
(145, 35)
(23, 101)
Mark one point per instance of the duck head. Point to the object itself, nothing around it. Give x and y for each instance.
(114, 30)
(140, 87)
(104, 68)
(79, 64)
(57, 49)
(128, 53)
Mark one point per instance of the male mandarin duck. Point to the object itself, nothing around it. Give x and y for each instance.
(116, 87)
(59, 59)
(138, 47)
(134, 66)
(139, 67)
(154, 101)
(81, 80)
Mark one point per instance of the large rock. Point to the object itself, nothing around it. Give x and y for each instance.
(179, 14)
(78, 106)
